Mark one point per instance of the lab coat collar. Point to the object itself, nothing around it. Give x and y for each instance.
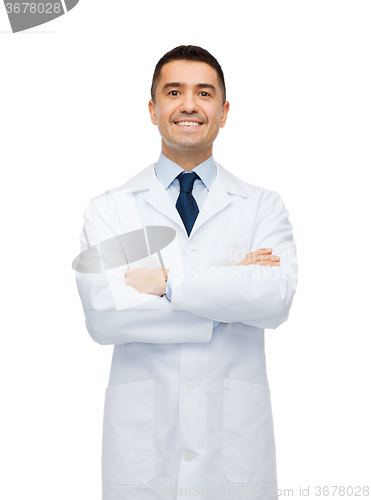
(218, 198)
(167, 171)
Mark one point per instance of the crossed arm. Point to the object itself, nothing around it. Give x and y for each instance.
(152, 281)
(259, 295)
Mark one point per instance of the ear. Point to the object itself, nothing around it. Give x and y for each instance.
(152, 112)
(224, 114)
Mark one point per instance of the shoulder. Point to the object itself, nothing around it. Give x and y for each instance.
(239, 187)
(141, 178)
(119, 199)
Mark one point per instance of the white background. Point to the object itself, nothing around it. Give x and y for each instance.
(74, 123)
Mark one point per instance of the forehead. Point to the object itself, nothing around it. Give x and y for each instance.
(188, 72)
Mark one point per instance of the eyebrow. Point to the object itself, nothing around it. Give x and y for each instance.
(182, 84)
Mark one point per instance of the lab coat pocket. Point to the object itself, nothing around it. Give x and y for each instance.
(248, 435)
(128, 433)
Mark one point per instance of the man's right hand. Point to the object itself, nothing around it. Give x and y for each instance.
(262, 257)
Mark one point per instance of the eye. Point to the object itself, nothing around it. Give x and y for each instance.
(204, 94)
(174, 92)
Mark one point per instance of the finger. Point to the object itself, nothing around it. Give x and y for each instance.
(262, 251)
(268, 264)
(268, 258)
(259, 263)
(257, 254)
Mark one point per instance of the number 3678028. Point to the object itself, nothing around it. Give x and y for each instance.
(33, 8)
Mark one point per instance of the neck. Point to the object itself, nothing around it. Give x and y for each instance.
(187, 160)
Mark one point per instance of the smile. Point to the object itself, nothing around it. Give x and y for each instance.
(189, 124)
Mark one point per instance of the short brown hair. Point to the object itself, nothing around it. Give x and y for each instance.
(188, 53)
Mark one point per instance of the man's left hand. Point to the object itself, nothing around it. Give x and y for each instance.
(151, 281)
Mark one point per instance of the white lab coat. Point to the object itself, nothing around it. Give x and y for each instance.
(187, 409)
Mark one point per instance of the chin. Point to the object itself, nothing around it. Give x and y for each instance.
(189, 144)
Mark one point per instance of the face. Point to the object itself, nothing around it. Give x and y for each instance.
(189, 108)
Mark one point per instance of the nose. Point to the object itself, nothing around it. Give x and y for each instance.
(188, 104)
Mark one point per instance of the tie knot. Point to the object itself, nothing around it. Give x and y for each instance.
(186, 181)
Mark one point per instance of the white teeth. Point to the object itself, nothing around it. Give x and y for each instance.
(189, 123)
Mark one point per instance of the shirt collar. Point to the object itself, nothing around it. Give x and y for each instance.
(166, 171)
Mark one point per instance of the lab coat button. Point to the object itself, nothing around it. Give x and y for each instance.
(208, 330)
(190, 385)
(188, 456)
(176, 303)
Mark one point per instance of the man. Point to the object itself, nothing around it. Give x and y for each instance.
(187, 409)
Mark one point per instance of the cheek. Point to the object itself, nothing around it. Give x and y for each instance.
(163, 117)
(213, 115)
(215, 122)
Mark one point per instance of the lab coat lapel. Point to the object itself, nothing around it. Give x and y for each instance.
(216, 200)
(159, 199)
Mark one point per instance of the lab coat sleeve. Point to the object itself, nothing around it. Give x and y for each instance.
(153, 320)
(255, 295)
(169, 285)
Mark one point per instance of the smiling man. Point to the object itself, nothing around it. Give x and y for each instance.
(188, 105)
(187, 408)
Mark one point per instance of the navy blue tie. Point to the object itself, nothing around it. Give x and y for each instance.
(186, 204)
